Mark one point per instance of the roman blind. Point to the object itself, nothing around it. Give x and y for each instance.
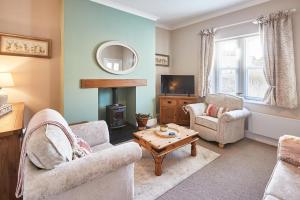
(237, 30)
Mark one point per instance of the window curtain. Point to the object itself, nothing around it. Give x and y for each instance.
(206, 59)
(277, 40)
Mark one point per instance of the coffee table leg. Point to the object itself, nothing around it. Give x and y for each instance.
(193, 149)
(158, 165)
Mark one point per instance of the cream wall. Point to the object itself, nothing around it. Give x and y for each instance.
(186, 45)
(37, 80)
(163, 46)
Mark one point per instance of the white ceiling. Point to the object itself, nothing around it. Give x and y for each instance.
(172, 14)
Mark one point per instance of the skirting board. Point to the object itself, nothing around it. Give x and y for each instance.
(260, 138)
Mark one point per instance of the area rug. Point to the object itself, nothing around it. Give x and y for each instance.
(177, 166)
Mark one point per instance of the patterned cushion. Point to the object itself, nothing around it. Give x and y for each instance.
(84, 145)
(214, 111)
(222, 110)
(207, 121)
(289, 149)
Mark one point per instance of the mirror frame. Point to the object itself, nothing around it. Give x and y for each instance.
(111, 43)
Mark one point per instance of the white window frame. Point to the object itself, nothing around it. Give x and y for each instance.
(113, 62)
(241, 71)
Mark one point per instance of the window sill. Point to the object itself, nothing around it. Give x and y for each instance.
(254, 102)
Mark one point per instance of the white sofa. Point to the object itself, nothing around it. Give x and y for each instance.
(107, 173)
(228, 128)
(284, 183)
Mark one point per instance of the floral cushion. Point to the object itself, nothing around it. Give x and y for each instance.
(214, 111)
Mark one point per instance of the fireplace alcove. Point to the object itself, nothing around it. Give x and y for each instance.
(116, 95)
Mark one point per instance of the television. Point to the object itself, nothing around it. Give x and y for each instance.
(178, 84)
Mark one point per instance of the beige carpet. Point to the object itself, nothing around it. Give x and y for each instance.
(177, 166)
(240, 173)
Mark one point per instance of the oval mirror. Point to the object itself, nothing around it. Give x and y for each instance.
(116, 57)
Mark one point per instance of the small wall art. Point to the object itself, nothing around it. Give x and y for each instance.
(162, 60)
(19, 45)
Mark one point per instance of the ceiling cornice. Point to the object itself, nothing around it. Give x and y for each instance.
(163, 26)
(218, 13)
(127, 9)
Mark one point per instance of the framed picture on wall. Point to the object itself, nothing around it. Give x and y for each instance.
(162, 60)
(19, 45)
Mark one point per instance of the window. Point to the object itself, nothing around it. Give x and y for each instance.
(114, 64)
(239, 68)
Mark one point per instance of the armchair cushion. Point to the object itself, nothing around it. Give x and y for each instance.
(207, 121)
(212, 110)
(289, 149)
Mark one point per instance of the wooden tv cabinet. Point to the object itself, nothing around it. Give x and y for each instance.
(171, 109)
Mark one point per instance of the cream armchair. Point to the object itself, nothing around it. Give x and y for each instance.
(107, 173)
(228, 128)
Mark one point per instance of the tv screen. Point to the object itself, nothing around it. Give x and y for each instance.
(178, 84)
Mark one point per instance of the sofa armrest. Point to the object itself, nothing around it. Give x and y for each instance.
(235, 115)
(289, 149)
(40, 184)
(94, 133)
(196, 109)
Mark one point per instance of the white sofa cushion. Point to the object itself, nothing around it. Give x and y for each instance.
(48, 147)
(207, 121)
(284, 182)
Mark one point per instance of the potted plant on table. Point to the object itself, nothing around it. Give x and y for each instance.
(142, 120)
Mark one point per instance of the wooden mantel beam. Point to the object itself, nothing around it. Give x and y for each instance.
(112, 83)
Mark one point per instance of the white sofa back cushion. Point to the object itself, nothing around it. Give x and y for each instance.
(225, 100)
(48, 147)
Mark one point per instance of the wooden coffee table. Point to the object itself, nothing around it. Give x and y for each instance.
(159, 146)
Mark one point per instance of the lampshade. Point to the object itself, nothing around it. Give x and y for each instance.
(6, 80)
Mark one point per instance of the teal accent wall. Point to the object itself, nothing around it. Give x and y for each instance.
(86, 26)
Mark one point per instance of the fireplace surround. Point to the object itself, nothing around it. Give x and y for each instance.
(118, 110)
(120, 114)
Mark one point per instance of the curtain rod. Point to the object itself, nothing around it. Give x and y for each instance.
(244, 22)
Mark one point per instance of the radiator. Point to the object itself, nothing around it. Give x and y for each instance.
(272, 126)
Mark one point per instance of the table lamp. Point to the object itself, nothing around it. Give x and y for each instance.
(6, 80)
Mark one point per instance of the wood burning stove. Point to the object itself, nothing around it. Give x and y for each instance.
(115, 113)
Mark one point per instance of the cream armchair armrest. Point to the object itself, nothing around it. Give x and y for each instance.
(41, 184)
(94, 133)
(196, 109)
(235, 115)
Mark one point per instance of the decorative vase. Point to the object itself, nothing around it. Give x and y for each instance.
(142, 122)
